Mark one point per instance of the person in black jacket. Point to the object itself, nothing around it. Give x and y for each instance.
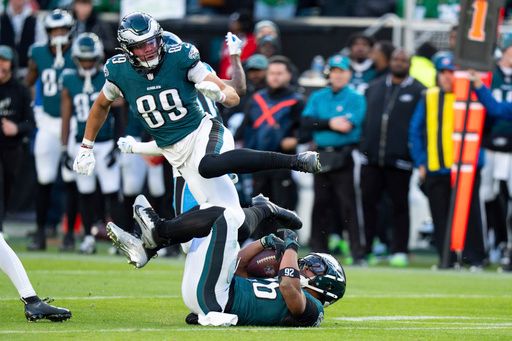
(19, 29)
(17, 121)
(387, 165)
(87, 20)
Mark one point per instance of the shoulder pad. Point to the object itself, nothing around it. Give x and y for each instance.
(35, 48)
(113, 64)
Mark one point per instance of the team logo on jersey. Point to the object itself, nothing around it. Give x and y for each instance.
(105, 71)
(193, 53)
(339, 108)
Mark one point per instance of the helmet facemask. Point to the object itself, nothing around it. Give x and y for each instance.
(63, 21)
(87, 53)
(329, 277)
(140, 37)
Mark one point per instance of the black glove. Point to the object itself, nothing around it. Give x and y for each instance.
(291, 239)
(271, 241)
(111, 157)
(66, 160)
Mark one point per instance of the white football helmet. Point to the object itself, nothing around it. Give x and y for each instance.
(59, 19)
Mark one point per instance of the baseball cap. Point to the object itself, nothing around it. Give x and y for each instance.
(445, 62)
(257, 61)
(6, 53)
(339, 61)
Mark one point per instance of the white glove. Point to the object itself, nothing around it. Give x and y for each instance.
(211, 90)
(125, 144)
(234, 44)
(84, 161)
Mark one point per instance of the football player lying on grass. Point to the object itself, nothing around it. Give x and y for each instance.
(219, 293)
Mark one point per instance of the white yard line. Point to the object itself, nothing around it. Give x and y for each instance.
(256, 329)
(92, 298)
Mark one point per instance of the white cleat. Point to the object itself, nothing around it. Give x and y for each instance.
(128, 245)
(147, 218)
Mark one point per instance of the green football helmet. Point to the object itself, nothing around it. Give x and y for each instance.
(329, 277)
(87, 46)
(140, 37)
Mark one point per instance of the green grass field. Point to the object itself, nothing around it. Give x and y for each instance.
(111, 300)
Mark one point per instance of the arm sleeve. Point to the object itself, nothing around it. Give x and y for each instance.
(198, 73)
(146, 148)
(417, 135)
(296, 111)
(493, 107)
(111, 91)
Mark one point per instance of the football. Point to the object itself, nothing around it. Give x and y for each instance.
(263, 265)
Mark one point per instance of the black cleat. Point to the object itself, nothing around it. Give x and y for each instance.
(37, 244)
(308, 162)
(284, 219)
(42, 310)
(192, 319)
(68, 244)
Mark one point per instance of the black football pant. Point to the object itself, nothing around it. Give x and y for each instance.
(374, 181)
(10, 160)
(279, 186)
(438, 188)
(336, 187)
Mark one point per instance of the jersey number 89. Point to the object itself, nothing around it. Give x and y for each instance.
(170, 102)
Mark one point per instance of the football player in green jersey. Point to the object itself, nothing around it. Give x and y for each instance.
(79, 88)
(160, 85)
(295, 298)
(46, 63)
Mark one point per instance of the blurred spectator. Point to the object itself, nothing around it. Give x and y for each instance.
(266, 28)
(422, 67)
(497, 141)
(501, 162)
(19, 28)
(446, 10)
(272, 123)
(275, 9)
(240, 23)
(113, 6)
(17, 122)
(87, 20)
(432, 149)
(381, 55)
(268, 46)
(373, 8)
(361, 65)
(335, 115)
(256, 73)
(387, 165)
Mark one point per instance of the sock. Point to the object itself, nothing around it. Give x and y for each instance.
(243, 161)
(253, 217)
(31, 299)
(87, 205)
(43, 203)
(11, 265)
(192, 224)
(71, 206)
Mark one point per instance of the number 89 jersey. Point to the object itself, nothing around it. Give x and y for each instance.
(166, 101)
(82, 102)
(42, 56)
(258, 302)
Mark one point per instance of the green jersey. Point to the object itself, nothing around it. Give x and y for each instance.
(49, 75)
(362, 74)
(82, 102)
(165, 102)
(258, 302)
(498, 132)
